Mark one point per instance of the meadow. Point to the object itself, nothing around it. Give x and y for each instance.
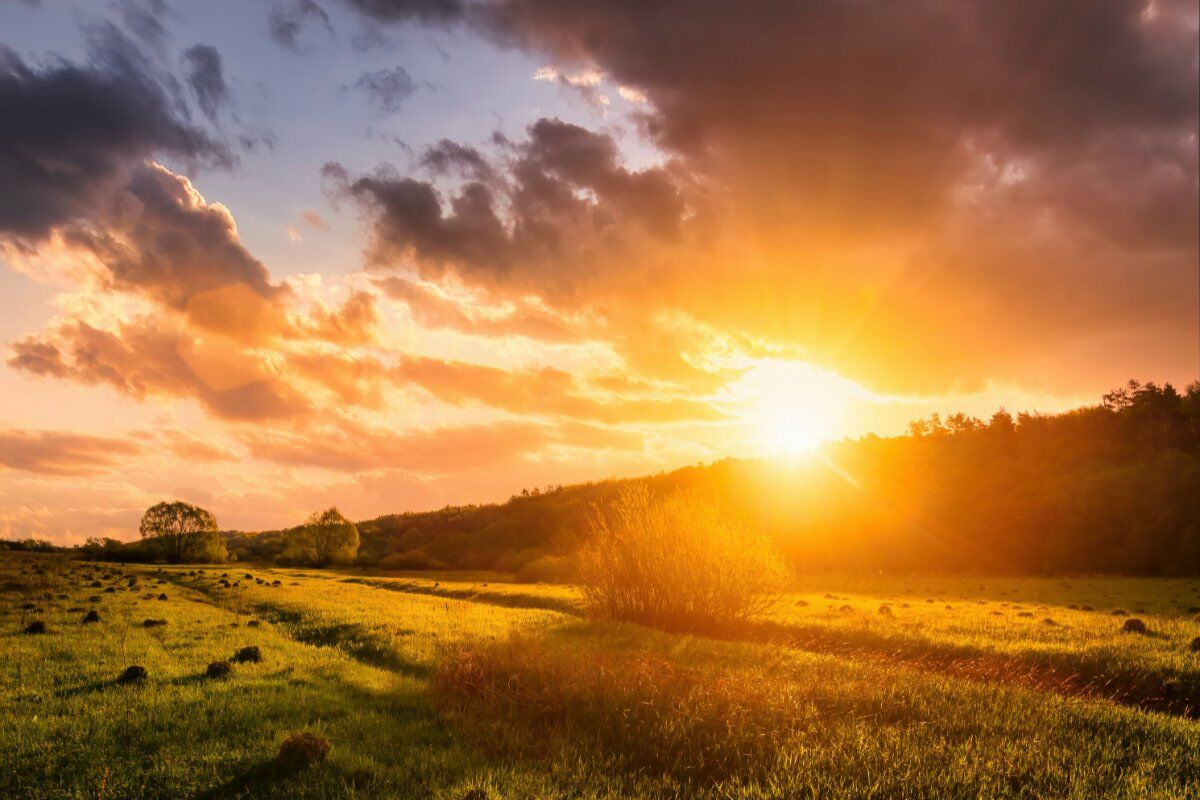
(467, 685)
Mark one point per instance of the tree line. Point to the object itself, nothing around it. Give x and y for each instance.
(182, 533)
(1113, 488)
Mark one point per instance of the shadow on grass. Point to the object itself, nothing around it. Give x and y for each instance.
(1163, 690)
(500, 599)
(357, 641)
(262, 779)
(86, 689)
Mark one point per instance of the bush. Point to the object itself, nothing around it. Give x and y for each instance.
(412, 559)
(676, 563)
(547, 569)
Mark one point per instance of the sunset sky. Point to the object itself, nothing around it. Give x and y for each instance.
(393, 254)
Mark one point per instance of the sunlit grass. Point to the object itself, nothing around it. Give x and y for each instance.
(572, 708)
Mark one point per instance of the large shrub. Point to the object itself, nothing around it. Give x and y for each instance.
(325, 538)
(676, 563)
(183, 533)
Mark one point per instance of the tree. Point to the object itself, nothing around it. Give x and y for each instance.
(325, 538)
(184, 532)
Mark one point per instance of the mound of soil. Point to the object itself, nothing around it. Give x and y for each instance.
(134, 675)
(247, 655)
(302, 750)
(218, 669)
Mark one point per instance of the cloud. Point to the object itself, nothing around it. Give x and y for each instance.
(142, 359)
(72, 135)
(569, 205)
(542, 392)
(145, 19)
(354, 323)
(314, 220)
(159, 237)
(62, 453)
(287, 20)
(523, 318)
(586, 83)
(396, 11)
(387, 89)
(354, 448)
(193, 448)
(447, 450)
(207, 79)
(824, 164)
(452, 158)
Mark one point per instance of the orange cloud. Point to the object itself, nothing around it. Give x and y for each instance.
(62, 453)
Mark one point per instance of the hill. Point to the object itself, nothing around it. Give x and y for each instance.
(1111, 488)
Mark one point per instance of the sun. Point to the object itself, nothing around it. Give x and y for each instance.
(791, 407)
(793, 433)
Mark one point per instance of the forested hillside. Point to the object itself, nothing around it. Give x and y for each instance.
(1109, 488)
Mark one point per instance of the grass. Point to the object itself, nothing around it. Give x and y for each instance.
(755, 721)
(431, 687)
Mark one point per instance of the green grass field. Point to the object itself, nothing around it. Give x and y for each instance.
(437, 686)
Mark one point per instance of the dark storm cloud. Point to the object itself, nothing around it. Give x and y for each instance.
(207, 79)
(427, 11)
(567, 201)
(826, 158)
(286, 21)
(387, 89)
(863, 109)
(70, 136)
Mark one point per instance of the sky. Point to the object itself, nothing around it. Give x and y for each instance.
(269, 256)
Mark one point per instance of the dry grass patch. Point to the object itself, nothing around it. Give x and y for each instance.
(652, 712)
(677, 563)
